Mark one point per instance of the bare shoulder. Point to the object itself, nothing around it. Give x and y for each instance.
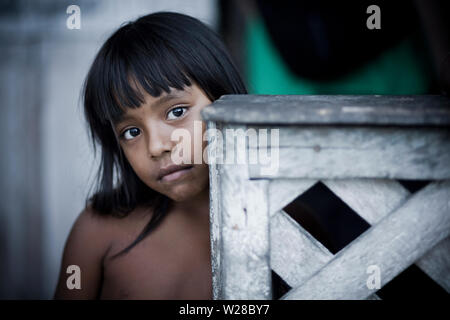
(105, 228)
(86, 246)
(93, 228)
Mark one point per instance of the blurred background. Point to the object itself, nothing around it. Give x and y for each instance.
(47, 164)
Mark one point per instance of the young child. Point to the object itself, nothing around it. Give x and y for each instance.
(144, 234)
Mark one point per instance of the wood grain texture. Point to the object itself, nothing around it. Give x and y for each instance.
(373, 199)
(284, 191)
(245, 265)
(423, 110)
(340, 153)
(436, 263)
(295, 255)
(214, 212)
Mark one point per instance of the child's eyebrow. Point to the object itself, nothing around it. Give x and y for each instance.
(174, 94)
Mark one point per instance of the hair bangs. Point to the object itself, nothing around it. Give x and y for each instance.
(145, 65)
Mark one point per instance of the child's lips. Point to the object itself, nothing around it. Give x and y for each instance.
(173, 173)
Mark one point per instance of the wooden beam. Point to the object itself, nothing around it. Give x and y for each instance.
(295, 255)
(245, 265)
(214, 213)
(436, 263)
(391, 110)
(343, 153)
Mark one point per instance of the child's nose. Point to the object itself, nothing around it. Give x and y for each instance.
(158, 143)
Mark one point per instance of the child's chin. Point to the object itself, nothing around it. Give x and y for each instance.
(182, 193)
(178, 194)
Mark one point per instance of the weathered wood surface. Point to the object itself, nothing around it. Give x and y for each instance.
(373, 199)
(336, 137)
(331, 109)
(245, 260)
(337, 153)
(436, 263)
(393, 244)
(284, 191)
(290, 242)
(295, 255)
(214, 212)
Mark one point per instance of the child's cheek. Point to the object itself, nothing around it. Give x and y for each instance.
(142, 167)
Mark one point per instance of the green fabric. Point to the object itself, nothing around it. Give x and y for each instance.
(399, 70)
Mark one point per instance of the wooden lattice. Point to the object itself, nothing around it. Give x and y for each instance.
(357, 146)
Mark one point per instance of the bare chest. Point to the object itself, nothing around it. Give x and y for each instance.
(170, 264)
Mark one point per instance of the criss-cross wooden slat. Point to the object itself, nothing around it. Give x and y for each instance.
(295, 255)
(373, 200)
(393, 244)
(283, 191)
(436, 263)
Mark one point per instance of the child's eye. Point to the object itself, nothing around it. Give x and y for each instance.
(131, 133)
(176, 113)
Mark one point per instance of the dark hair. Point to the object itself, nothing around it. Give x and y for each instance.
(157, 51)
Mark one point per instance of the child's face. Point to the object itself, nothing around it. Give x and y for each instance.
(145, 138)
